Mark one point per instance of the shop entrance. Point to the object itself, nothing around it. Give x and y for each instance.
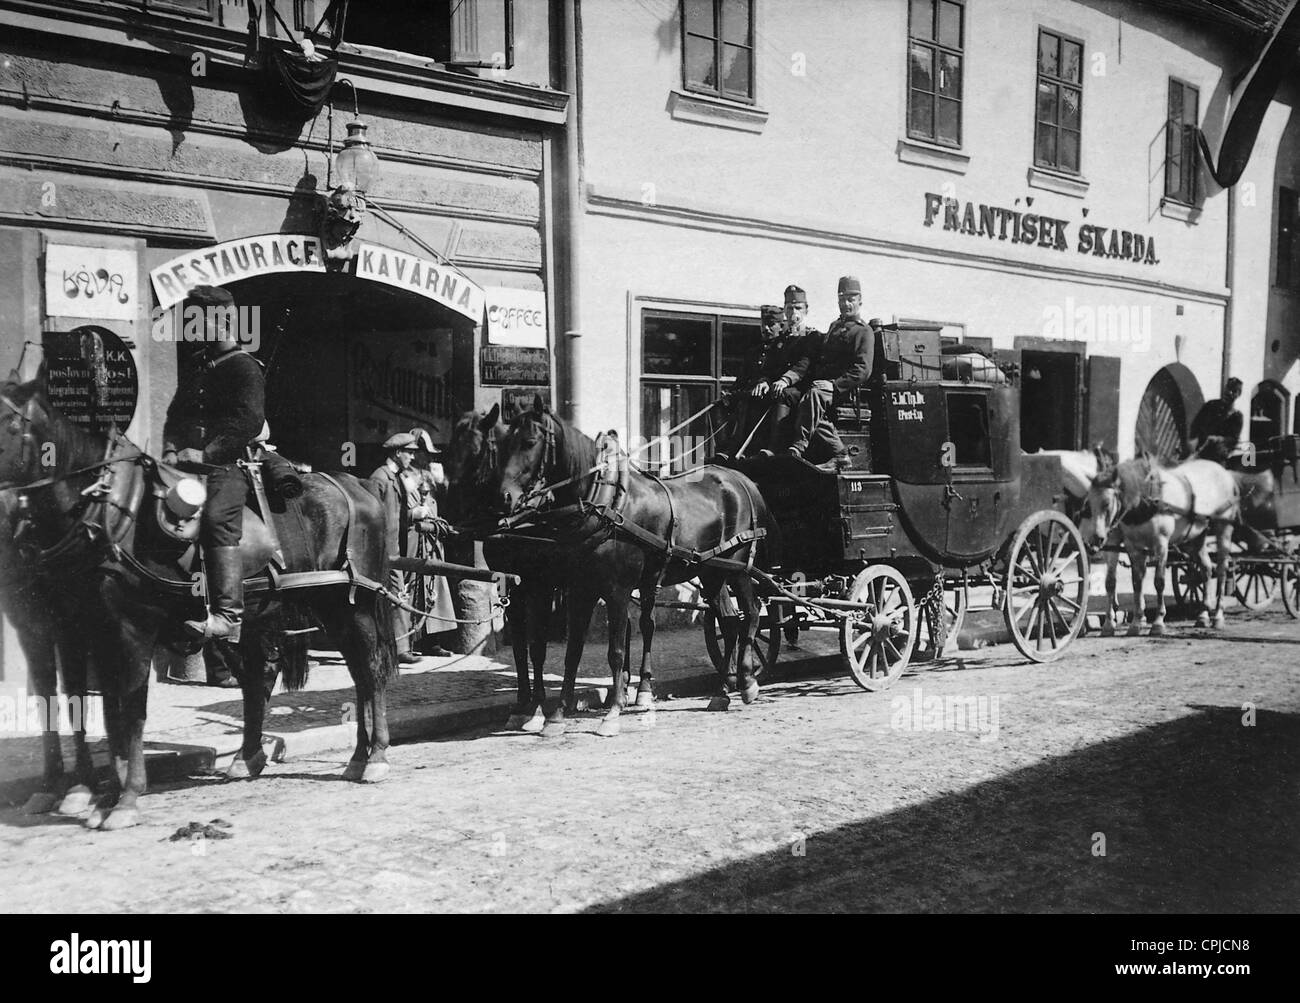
(1050, 388)
(1163, 416)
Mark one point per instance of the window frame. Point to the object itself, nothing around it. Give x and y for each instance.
(719, 92)
(936, 47)
(1189, 167)
(1060, 82)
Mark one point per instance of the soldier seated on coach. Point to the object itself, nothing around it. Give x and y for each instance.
(1216, 429)
(839, 363)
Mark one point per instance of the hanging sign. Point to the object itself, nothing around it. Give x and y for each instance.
(431, 279)
(516, 317)
(91, 378)
(92, 282)
(505, 365)
(235, 260)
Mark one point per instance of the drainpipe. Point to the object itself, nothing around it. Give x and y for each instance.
(574, 207)
(1229, 317)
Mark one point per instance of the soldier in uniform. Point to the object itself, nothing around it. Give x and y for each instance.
(218, 410)
(1216, 429)
(748, 396)
(839, 363)
(788, 369)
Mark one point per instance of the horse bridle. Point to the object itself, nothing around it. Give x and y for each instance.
(537, 485)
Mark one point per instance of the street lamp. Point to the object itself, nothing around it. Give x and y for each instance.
(355, 171)
(356, 164)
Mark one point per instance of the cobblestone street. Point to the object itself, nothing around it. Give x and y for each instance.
(1127, 776)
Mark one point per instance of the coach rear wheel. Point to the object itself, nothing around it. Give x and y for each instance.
(877, 641)
(1254, 583)
(767, 640)
(1188, 584)
(1290, 589)
(1047, 586)
(954, 612)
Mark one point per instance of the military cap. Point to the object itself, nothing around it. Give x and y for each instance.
(770, 312)
(850, 286)
(400, 440)
(425, 441)
(794, 296)
(210, 296)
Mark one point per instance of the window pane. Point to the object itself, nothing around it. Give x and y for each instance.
(1070, 99)
(921, 119)
(1047, 61)
(1072, 61)
(664, 406)
(737, 338)
(922, 68)
(949, 75)
(674, 345)
(949, 121)
(1045, 146)
(1173, 169)
(1175, 101)
(699, 17)
(922, 18)
(1191, 105)
(1047, 95)
(735, 70)
(1069, 150)
(700, 68)
(735, 20)
(950, 24)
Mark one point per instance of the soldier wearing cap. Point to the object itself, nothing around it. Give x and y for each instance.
(398, 489)
(839, 363)
(1216, 429)
(218, 410)
(788, 387)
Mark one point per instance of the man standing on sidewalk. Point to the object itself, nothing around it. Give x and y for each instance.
(399, 493)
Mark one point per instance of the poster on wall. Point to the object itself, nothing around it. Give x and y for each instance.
(516, 317)
(399, 380)
(516, 400)
(91, 378)
(100, 283)
(505, 365)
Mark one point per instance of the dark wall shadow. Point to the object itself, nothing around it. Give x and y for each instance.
(1198, 815)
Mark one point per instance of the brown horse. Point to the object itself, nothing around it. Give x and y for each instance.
(617, 529)
(1156, 507)
(92, 521)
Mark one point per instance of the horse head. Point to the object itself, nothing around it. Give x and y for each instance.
(24, 414)
(526, 456)
(1105, 496)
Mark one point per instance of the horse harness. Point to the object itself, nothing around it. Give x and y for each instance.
(1153, 504)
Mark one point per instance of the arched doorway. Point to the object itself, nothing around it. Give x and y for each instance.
(1268, 405)
(1171, 399)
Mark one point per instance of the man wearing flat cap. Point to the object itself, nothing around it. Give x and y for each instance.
(218, 410)
(431, 593)
(398, 489)
(840, 363)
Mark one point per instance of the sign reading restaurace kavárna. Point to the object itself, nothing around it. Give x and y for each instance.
(1026, 228)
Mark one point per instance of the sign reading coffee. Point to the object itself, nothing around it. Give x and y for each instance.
(994, 222)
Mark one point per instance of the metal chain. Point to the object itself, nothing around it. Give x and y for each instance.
(932, 608)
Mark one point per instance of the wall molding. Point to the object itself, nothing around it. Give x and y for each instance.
(911, 151)
(686, 106)
(1062, 184)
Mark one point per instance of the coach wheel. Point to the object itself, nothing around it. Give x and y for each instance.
(1188, 585)
(1254, 584)
(1290, 589)
(1047, 586)
(954, 613)
(877, 641)
(767, 641)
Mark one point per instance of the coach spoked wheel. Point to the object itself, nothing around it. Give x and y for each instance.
(1047, 586)
(1187, 582)
(877, 640)
(767, 640)
(1290, 582)
(1254, 583)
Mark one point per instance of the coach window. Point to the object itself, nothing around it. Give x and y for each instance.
(968, 429)
(936, 40)
(1059, 117)
(687, 361)
(1180, 142)
(718, 48)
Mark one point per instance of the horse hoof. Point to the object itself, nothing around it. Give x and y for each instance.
(40, 803)
(1157, 629)
(719, 703)
(121, 818)
(750, 693)
(76, 801)
(555, 729)
(1134, 629)
(1203, 621)
(247, 769)
(535, 724)
(644, 698)
(375, 773)
(609, 727)
(1107, 630)
(1220, 622)
(515, 722)
(354, 769)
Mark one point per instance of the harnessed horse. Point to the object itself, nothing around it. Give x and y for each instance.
(94, 524)
(1158, 507)
(611, 528)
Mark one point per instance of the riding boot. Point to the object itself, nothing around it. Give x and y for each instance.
(780, 421)
(224, 568)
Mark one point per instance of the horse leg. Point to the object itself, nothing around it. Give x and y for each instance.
(617, 604)
(539, 624)
(1208, 575)
(1112, 587)
(1138, 559)
(578, 611)
(746, 684)
(250, 670)
(711, 587)
(645, 692)
(38, 649)
(1161, 558)
(517, 615)
(1223, 541)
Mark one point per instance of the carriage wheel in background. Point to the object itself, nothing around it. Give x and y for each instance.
(1187, 582)
(767, 641)
(1047, 586)
(877, 641)
(954, 612)
(1254, 583)
(1290, 588)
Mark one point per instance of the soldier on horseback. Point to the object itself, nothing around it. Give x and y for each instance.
(218, 410)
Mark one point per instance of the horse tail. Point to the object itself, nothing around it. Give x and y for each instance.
(383, 657)
(297, 625)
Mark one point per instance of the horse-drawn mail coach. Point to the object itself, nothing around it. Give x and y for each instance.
(937, 498)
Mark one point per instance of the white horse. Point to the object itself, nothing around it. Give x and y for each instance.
(1156, 507)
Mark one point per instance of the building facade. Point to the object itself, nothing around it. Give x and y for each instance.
(1023, 174)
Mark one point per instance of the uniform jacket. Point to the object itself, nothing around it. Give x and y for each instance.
(786, 357)
(399, 494)
(843, 355)
(219, 407)
(1217, 417)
